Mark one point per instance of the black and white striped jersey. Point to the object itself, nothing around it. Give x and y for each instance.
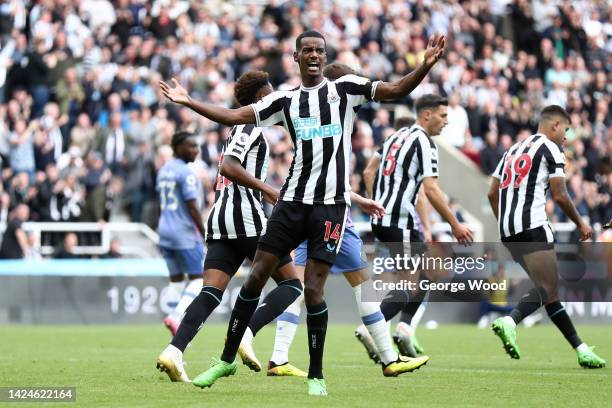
(524, 173)
(407, 157)
(238, 211)
(320, 122)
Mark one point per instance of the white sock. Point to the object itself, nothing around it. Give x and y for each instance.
(173, 352)
(582, 347)
(193, 289)
(374, 320)
(175, 289)
(286, 325)
(248, 336)
(416, 319)
(509, 320)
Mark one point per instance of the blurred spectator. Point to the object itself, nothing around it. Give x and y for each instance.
(66, 249)
(491, 154)
(114, 251)
(15, 241)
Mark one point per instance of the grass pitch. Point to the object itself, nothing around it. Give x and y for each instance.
(114, 366)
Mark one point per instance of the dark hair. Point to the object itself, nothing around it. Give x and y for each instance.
(179, 137)
(429, 101)
(403, 121)
(336, 70)
(308, 34)
(247, 86)
(552, 111)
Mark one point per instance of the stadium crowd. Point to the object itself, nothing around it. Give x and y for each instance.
(83, 125)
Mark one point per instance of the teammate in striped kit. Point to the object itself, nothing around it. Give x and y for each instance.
(180, 229)
(319, 116)
(234, 226)
(410, 160)
(518, 197)
(373, 333)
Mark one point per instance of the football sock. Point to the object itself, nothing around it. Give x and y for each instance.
(393, 302)
(530, 302)
(411, 307)
(558, 315)
(275, 303)
(193, 288)
(316, 321)
(196, 314)
(286, 326)
(245, 306)
(375, 322)
(175, 289)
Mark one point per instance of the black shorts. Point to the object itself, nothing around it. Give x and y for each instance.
(400, 241)
(291, 223)
(528, 241)
(228, 254)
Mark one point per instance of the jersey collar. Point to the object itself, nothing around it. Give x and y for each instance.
(415, 126)
(312, 88)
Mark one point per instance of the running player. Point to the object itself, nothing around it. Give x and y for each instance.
(410, 159)
(319, 116)
(349, 262)
(181, 231)
(235, 223)
(518, 198)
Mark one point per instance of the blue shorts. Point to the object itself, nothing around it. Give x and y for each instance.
(349, 257)
(181, 261)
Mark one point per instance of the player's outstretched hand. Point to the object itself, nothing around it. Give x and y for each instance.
(178, 94)
(463, 234)
(372, 208)
(586, 232)
(435, 49)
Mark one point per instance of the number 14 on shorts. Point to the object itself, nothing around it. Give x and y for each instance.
(331, 234)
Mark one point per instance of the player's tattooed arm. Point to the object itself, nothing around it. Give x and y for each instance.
(368, 206)
(436, 198)
(493, 196)
(369, 174)
(229, 117)
(194, 211)
(402, 87)
(233, 170)
(562, 198)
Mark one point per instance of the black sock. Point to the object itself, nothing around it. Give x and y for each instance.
(275, 303)
(317, 326)
(395, 301)
(530, 302)
(559, 317)
(195, 315)
(411, 307)
(243, 310)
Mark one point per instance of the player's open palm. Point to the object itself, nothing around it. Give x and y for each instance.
(435, 49)
(463, 234)
(177, 94)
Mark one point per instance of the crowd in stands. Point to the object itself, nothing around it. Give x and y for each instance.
(84, 127)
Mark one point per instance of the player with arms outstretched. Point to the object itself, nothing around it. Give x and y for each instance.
(518, 198)
(313, 203)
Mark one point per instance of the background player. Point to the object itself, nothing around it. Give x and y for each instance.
(319, 117)
(410, 159)
(235, 223)
(181, 231)
(518, 197)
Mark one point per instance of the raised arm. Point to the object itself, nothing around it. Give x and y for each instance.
(402, 87)
(229, 117)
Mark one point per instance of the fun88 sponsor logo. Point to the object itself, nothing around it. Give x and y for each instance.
(309, 128)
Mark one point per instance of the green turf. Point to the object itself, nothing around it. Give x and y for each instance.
(115, 366)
